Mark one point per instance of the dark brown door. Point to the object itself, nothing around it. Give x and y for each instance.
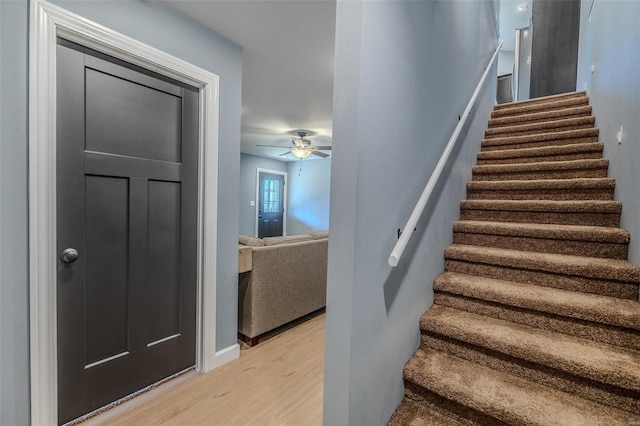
(270, 205)
(126, 220)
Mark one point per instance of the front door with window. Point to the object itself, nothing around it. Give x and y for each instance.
(127, 179)
(270, 204)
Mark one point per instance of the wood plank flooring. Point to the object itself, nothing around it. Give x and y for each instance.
(278, 382)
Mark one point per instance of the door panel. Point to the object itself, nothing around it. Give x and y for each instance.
(164, 260)
(106, 254)
(127, 201)
(127, 118)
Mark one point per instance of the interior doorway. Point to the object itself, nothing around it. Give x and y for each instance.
(47, 23)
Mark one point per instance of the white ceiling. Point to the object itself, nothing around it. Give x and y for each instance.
(287, 70)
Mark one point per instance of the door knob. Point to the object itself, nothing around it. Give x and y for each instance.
(69, 255)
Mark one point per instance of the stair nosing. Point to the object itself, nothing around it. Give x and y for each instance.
(533, 106)
(540, 125)
(549, 98)
(565, 303)
(542, 137)
(601, 234)
(544, 206)
(589, 267)
(461, 390)
(577, 183)
(571, 111)
(580, 164)
(577, 148)
(540, 346)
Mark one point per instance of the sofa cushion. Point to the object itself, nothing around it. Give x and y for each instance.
(250, 241)
(319, 234)
(274, 241)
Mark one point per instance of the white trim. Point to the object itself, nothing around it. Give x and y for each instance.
(284, 202)
(47, 22)
(227, 354)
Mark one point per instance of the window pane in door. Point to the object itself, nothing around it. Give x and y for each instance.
(271, 196)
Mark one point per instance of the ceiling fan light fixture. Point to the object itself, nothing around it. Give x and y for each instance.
(300, 153)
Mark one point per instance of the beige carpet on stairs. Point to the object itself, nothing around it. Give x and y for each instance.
(536, 319)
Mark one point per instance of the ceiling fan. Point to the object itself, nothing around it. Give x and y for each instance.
(302, 148)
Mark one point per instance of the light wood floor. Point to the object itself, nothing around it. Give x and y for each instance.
(278, 382)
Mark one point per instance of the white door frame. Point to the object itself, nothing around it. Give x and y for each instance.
(47, 22)
(284, 202)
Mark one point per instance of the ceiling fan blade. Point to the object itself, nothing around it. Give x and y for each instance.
(320, 154)
(273, 146)
(284, 154)
(323, 148)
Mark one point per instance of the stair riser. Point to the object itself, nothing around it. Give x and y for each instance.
(412, 412)
(543, 174)
(504, 133)
(544, 245)
(609, 287)
(430, 398)
(542, 194)
(490, 145)
(589, 389)
(599, 332)
(545, 100)
(596, 155)
(582, 111)
(539, 107)
(564, 218)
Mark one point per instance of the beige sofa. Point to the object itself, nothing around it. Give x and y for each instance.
(287, 280)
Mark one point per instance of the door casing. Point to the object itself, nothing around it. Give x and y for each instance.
(284, 203)
(47, 22)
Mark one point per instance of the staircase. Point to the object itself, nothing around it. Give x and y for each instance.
(536, 318)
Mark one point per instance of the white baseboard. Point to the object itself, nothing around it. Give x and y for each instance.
(227, 354)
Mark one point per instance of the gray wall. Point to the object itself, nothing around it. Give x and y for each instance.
(168, 31)
(505, 62)
(554, 50)
(14, 292)
(308, 196)
(404, 71)
(248, 166)
(611, 43)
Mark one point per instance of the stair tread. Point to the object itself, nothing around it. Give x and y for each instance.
(508, 398)
(580, 111)
(552, 123)
(550, 98)
(542, 166)
(539, 106)
(542, 151)
(543, 136)
(585, 358)
(552, 231)
(591, 267)
(578, 183)
(591, 206)
(584, 306)
(413, 413)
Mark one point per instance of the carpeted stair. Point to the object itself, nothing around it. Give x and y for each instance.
(536, 319)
